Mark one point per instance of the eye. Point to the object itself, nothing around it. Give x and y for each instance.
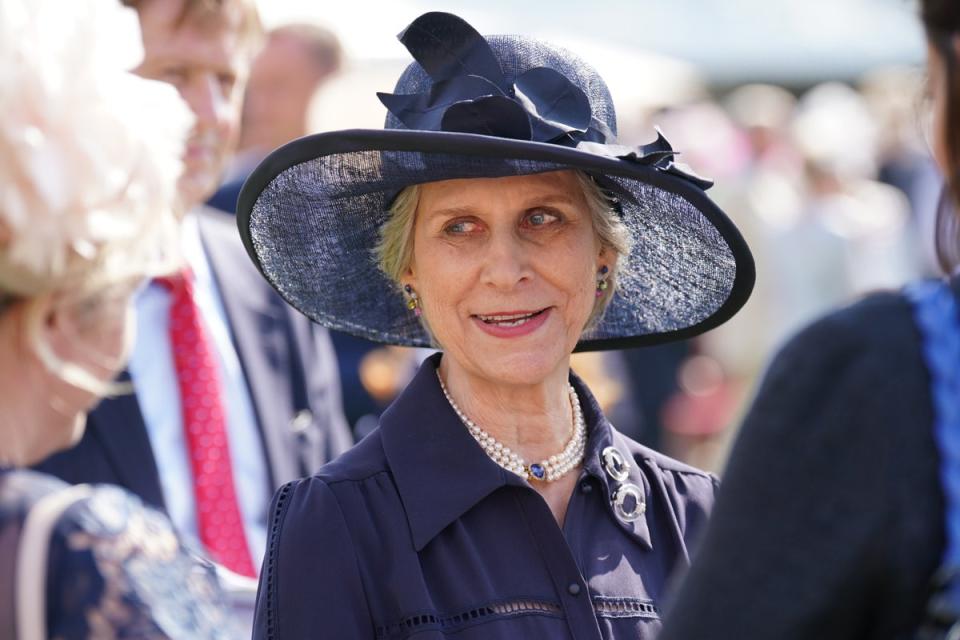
(460, 227)
(541, 218)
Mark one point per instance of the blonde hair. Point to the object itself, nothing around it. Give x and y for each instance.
(394, 251)
(81, 220)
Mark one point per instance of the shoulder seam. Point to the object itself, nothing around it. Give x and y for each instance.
(706, 475)
(327, 480)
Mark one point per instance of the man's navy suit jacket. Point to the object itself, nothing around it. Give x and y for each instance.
(291, 374)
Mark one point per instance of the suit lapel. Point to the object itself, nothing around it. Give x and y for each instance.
(257, 327)
(118, 424)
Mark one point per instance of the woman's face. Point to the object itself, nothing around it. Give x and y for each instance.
(506, 272)
(45, 412)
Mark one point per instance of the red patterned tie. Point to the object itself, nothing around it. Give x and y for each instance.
(218, 512)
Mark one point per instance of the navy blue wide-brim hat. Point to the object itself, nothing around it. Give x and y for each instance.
(475, 107)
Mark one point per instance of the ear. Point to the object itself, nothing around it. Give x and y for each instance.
(605, 259)
(409, 277)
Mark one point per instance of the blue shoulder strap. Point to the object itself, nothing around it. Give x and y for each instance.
(936, 316)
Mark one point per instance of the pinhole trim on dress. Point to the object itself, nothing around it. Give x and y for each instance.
(485, 613)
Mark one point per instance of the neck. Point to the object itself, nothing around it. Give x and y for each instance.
(534, 420)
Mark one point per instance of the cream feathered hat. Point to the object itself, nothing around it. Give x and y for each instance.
(89, 152)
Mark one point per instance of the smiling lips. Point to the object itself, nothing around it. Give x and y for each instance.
(509, 325)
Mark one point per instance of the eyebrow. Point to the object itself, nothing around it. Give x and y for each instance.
(534, 202)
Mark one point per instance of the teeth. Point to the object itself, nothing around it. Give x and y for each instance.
(509, 321)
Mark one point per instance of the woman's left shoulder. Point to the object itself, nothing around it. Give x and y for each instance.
(690, 491)
(664, 465)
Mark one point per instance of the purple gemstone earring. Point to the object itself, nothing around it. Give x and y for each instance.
(413, 301)
(602, 280)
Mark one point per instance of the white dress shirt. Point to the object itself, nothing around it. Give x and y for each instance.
(155, 381)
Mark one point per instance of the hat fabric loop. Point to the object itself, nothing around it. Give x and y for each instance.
(471, 95)
(475, 107)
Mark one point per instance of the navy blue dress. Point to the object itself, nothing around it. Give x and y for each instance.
(415, 532)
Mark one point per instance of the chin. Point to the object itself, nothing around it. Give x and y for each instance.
(195, 188)
(522, 365)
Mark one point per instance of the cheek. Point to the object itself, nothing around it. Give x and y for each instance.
(439, 286)
(573, 271)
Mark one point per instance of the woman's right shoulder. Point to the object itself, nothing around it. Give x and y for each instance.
(320, 527)
(356, 482)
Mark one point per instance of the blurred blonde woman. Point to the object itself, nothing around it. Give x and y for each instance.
(89, 166)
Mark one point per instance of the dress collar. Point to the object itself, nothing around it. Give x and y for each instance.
(441, 472)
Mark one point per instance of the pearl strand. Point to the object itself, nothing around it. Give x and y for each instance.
(553, 468)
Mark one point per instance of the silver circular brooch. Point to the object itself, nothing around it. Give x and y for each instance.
(615, 464)
(628, 502)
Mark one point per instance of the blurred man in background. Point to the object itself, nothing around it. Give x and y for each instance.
(234, 392)
(295, 62)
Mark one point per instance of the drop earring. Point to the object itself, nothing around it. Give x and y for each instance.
(413, 300)
(602, 283)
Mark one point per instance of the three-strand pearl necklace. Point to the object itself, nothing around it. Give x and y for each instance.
(553, 468)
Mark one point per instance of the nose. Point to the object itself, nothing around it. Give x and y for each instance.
(506, 260)
(207, 100)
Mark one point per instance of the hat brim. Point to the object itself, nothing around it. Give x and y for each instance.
(310, 215)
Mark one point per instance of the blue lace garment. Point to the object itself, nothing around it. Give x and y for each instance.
(936, 317)
(115, 568)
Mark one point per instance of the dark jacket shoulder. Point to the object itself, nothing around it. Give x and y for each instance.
(879, 325)
(831, 493)
(364, 459)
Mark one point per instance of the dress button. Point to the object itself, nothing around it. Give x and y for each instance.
(574, 589)
(586, 487)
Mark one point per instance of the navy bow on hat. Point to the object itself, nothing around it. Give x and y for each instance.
(470, 94)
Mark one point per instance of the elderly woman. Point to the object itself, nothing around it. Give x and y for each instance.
(89, 162)
(495, 219)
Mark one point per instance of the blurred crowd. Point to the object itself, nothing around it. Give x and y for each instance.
(832, 186)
